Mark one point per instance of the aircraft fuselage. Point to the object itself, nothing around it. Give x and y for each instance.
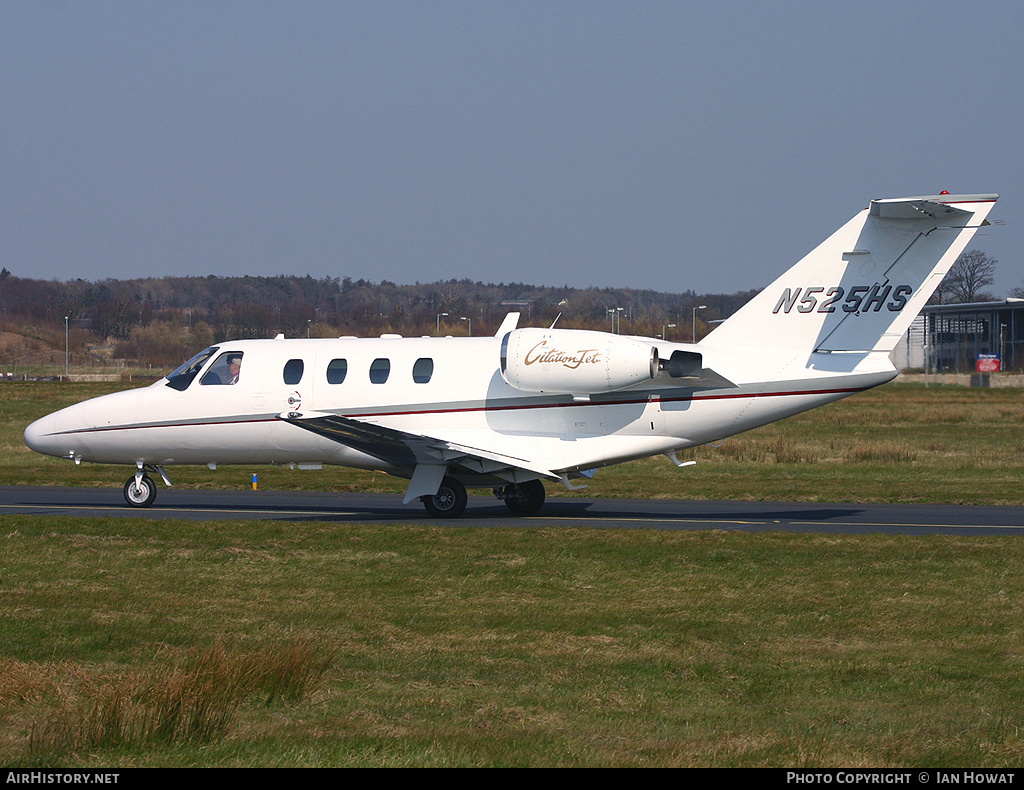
(386, 382)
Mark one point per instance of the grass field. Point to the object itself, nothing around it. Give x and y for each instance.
(147, 643)
(129, 642)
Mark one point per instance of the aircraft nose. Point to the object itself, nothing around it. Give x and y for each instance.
(42, 436)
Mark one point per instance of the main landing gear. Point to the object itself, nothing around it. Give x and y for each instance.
(449, 501)
(523, 499)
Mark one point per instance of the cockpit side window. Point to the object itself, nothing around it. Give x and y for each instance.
(184, 375)
(224, 370)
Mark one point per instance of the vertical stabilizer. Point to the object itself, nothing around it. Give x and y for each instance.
(861, 288)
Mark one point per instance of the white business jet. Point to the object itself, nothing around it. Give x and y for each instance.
(532, 404)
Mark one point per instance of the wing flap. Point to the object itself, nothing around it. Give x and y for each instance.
(409, 451)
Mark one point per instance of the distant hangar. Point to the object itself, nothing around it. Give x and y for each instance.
(951, 338)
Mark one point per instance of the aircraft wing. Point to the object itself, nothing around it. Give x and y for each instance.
(428, 458)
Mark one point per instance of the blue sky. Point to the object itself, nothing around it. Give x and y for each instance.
(664, 145)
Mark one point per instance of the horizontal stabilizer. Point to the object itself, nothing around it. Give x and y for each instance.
(923, 207)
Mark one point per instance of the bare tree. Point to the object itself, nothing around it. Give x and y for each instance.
(941, 294)
(972, 271)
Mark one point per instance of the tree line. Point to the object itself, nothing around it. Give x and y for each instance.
(161, 321)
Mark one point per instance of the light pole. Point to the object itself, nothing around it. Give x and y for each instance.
(438, 332)
(470, 320)
(67, 352)
(664, 331)
(695, 309)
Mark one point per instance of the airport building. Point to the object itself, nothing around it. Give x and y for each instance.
(965, 338)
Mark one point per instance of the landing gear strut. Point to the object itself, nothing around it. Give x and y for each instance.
(523, 499)
(449, 501)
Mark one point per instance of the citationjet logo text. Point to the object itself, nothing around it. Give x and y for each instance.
(855, 299)
(570, 359)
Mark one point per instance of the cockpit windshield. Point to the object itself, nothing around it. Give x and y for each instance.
(183, 376)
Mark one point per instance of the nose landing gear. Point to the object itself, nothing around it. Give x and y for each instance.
(140, 490)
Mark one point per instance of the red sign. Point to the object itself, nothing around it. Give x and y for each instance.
(987, 363)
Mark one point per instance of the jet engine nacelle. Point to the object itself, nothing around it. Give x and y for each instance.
(577, 361)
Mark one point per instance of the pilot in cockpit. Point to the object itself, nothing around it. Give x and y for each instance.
(225, 370)
(234, 366)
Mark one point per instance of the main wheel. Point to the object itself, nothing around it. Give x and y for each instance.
(524, 499)
(449, 501)
(141, 493)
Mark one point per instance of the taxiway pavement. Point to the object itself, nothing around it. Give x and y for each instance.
(485, 511)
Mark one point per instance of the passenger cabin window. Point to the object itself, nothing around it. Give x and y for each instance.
(423, 370)
(293, 371)
(225, 370)
(337, 370)
(380, 369)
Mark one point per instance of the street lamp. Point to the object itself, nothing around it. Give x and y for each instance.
(695, 309)
(438, 332)
(616, 314)
(67, 353)
(470, 320)
(664, 331)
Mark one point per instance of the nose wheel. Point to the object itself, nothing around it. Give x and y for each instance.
(140, 491)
